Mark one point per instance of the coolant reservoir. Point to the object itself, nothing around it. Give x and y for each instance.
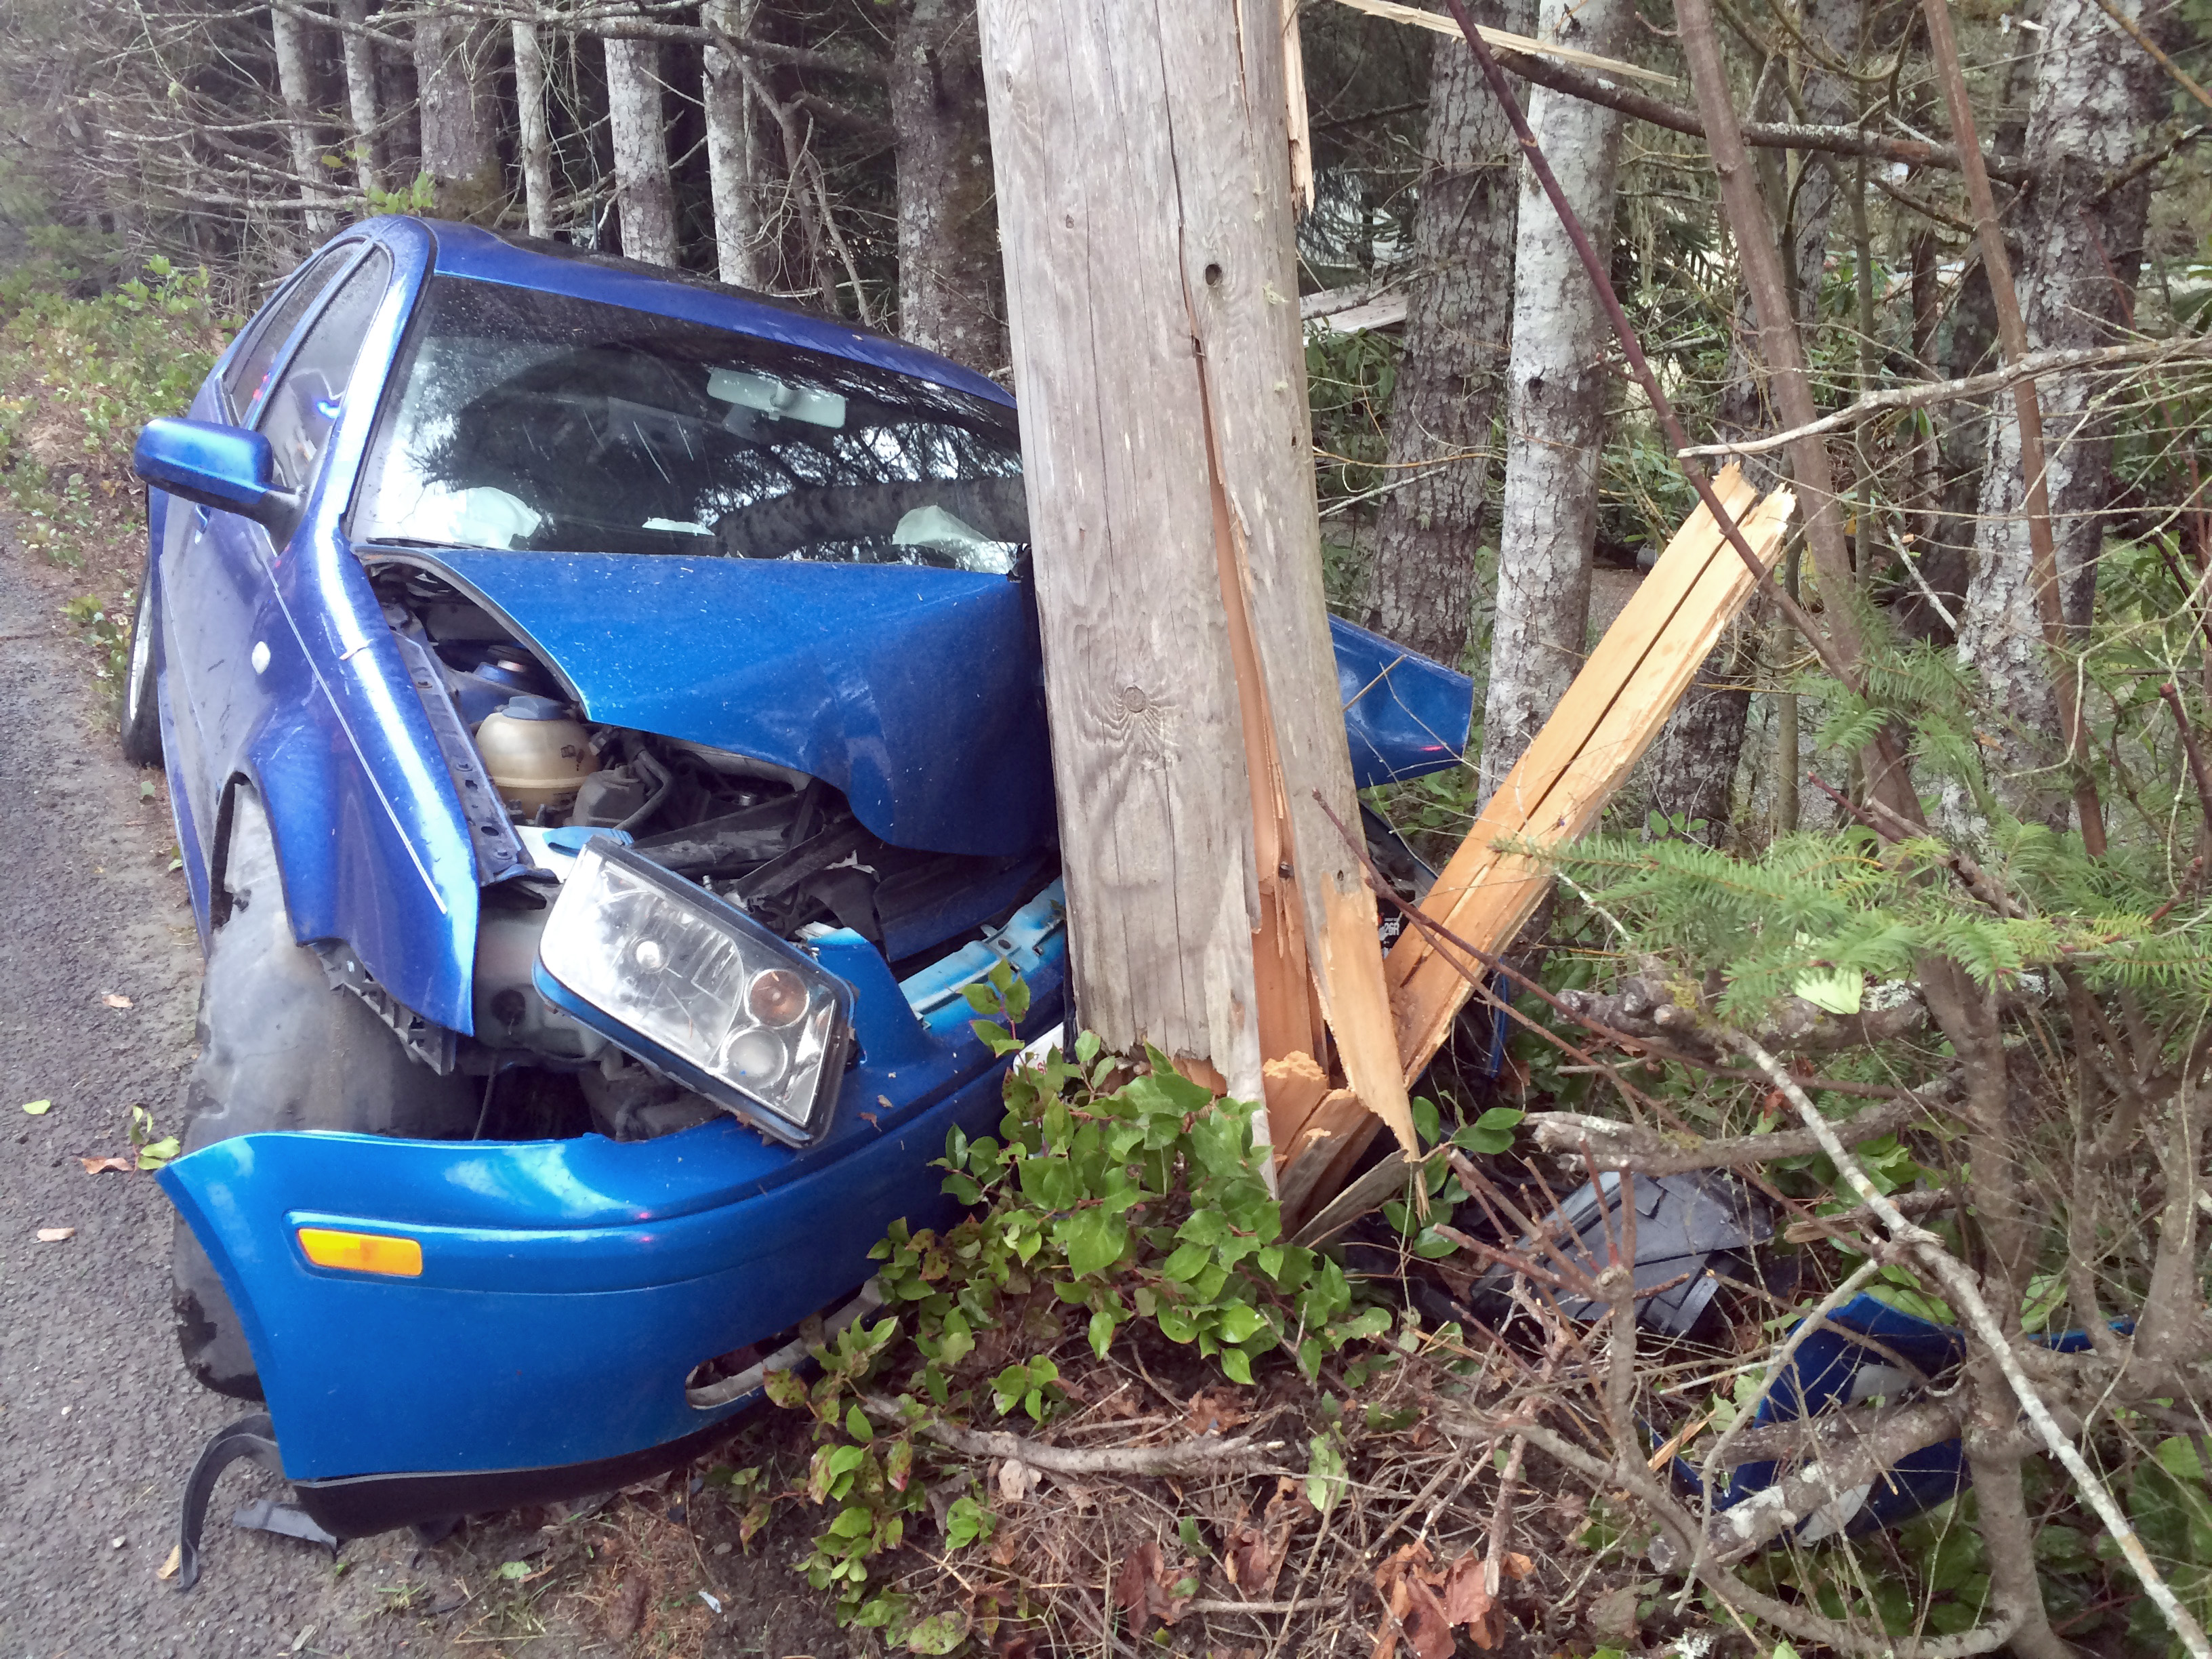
(537, 753)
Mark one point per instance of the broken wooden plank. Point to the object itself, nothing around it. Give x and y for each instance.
(1555, 793)
(1610, 715)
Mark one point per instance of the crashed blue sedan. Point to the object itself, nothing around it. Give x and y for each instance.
(603, 721)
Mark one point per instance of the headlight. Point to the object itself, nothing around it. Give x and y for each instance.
(698, 988)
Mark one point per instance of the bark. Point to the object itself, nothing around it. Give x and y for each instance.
(402, 134)
(1556, 385)
(2080, 248)
(458, 118)
(534, 144)
(1694, 761)
(295, 85)
(952, 296)
(1452, 369)
(358, 54)
(645, 203)
(734, 152)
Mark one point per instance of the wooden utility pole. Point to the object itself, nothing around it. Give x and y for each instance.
(1143, 159)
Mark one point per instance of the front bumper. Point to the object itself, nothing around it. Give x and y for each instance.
(568, 1287)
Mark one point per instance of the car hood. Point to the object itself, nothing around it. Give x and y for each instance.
(919, 693)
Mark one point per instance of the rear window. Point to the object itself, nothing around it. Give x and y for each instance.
(537, 422)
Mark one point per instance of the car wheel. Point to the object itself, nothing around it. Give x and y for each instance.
(141, 705)
(279, 1049)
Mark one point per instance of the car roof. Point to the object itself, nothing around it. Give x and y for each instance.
(483, 256)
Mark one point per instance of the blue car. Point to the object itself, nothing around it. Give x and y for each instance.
(603, 718)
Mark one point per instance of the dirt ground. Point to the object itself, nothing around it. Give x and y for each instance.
(99, 980)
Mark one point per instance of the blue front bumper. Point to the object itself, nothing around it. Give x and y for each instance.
(569, 1286)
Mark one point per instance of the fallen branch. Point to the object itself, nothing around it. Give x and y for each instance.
(2035, 366)
(1185, 1457)
(1768, 1513)
(1614, 1144)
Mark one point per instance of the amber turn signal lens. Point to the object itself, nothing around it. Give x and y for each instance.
(363, 1253)
(777, 997)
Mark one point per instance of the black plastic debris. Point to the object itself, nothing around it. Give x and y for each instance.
(1692, 1232)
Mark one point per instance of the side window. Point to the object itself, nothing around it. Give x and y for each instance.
(246, 377)
(299, 410)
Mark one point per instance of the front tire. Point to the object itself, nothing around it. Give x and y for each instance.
(280, 1048)
(141, 701)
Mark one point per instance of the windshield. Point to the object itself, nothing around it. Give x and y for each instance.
(535, 421)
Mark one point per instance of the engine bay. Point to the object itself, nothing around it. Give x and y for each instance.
(536, 778)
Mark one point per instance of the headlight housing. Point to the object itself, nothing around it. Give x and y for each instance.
(697, 987)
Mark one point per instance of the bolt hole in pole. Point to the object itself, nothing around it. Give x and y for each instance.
(1213, 276)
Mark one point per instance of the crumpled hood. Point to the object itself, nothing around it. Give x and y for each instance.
(918, 692)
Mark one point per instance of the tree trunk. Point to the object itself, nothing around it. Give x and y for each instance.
(1457, 320)
(734, 152)
(950, 295)
(2080, 248)
(1555, 406)
(1694, 762)
(645, 205)
(358, 53)
(1143, 166)
(399, 95)
(535, 144)
(295, 85)
(460, 151)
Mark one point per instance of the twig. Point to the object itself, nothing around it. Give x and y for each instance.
(2189, 748)
(1965, 1295)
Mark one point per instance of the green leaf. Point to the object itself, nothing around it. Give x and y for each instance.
(1325, 1473)
(1093, 1239)
(857, 1424)
(38, 1108)
(1103, 1325)
(154, 1155)
(1186, 1261)
(941, 1632)
(1238, 1365)
(514, 1571)
(1239, 1321)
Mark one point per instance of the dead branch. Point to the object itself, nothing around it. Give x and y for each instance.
(1616, 1146)
(1645, 1006)
(2035, 366)
(1858, 1460)
(1199, 1456)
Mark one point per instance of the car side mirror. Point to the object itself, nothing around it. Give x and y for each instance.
(225, 467)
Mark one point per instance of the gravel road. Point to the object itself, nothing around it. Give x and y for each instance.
(98, 1421)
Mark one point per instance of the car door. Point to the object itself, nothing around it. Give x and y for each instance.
(218, 611)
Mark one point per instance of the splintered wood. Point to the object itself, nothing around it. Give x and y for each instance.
(1484, 896)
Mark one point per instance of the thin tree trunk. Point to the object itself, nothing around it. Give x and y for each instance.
(1458, 318)
(2080, 247)
(734, 152)
(951, 296)
(1694, 762)
(398, 96)
(536, 132)
(460, 150)
(295, 85)
(1555, 409)
(644, 202)
(358, 54)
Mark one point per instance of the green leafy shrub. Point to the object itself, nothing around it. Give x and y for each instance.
(1112, 1195)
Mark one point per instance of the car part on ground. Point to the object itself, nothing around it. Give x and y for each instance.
(1688, 1231)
